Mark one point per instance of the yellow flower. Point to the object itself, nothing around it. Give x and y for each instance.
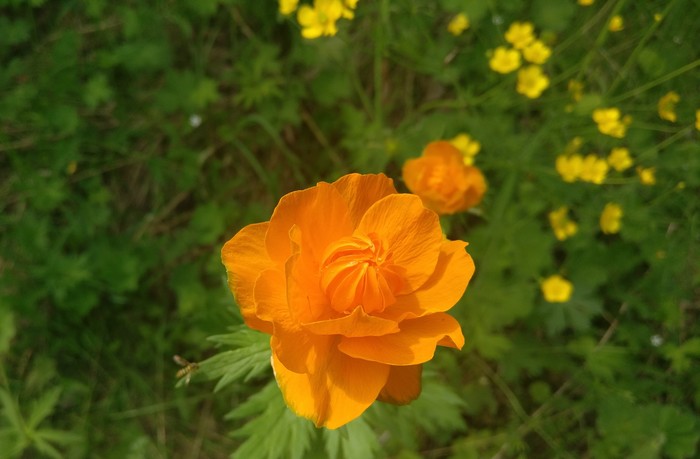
(532, 81)
(616, 23)
(569, 167)
(537, 52)
(287, 6)
(556, 289)
(349, 8)
(610, 218)
(647, 175)
(458, 24)
(593, 169)
(586, 2)
(561, 225)
(658, 17)
(321, 19)
(697, 119)
(667, 106)
(504, 60)
(609, 122)
(573, 145)
(467, 146)
(519, 34)
(619, 159)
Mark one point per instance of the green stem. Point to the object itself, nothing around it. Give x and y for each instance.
(661, 80)
(379, 47)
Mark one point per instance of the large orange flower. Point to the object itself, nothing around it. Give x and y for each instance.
(352, 280)
(442, 180)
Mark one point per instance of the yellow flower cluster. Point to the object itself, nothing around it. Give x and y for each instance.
(562, 226)
(667, 106)
(321, 18)
(592, 168)
(532, 81)
(619, 159)
(611, 122)
(556, 289)
(458, 24)
(586, 2)
(467, 146)
(610, 218)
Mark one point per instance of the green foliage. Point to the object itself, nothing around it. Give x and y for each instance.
(136, 137)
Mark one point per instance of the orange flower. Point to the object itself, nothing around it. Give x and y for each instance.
(352, 280)
(442, 180)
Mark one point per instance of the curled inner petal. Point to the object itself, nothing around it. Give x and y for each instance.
(358, 271)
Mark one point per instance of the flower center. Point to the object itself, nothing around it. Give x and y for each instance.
(357, 271)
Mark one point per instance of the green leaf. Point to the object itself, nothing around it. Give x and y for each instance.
(7, 328)
(43, 407)
(11, 410)
(355, 439)
(251, 359)
(274, 431)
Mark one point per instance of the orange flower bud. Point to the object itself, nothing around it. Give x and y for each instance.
(442, 180)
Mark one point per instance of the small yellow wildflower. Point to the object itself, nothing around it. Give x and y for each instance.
(468, 146)
(609, 122)
(537, 52)
(519, 34)
(458, 24)
(287, 6)
(321, 19)
(593, 169)
(586, 2)
(647, 175)
(616, 23)
(658, 17)
(561, 225)
(349, 8)
(610, 218)
(569, 167)
(575, 88)
(504, 60)
(619, 159)
(532, 81)
(667, 106)
(556, 289)
(697, 119)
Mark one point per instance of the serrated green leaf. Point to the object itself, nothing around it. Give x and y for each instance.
(273, 430)
(61, 437)
(43, 407)
(46, 448)
(11, 410)
(251, 359)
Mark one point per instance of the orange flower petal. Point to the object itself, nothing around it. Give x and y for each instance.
(338, 390)
(403, 385)
(414, 344)
(411, 234)
(361, 191)
(356, 324)
(321, 215)
(445, 287)
(244, 257)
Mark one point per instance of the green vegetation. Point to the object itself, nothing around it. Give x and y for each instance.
(137, 136)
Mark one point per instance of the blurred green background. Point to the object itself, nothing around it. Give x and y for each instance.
(137, 136)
